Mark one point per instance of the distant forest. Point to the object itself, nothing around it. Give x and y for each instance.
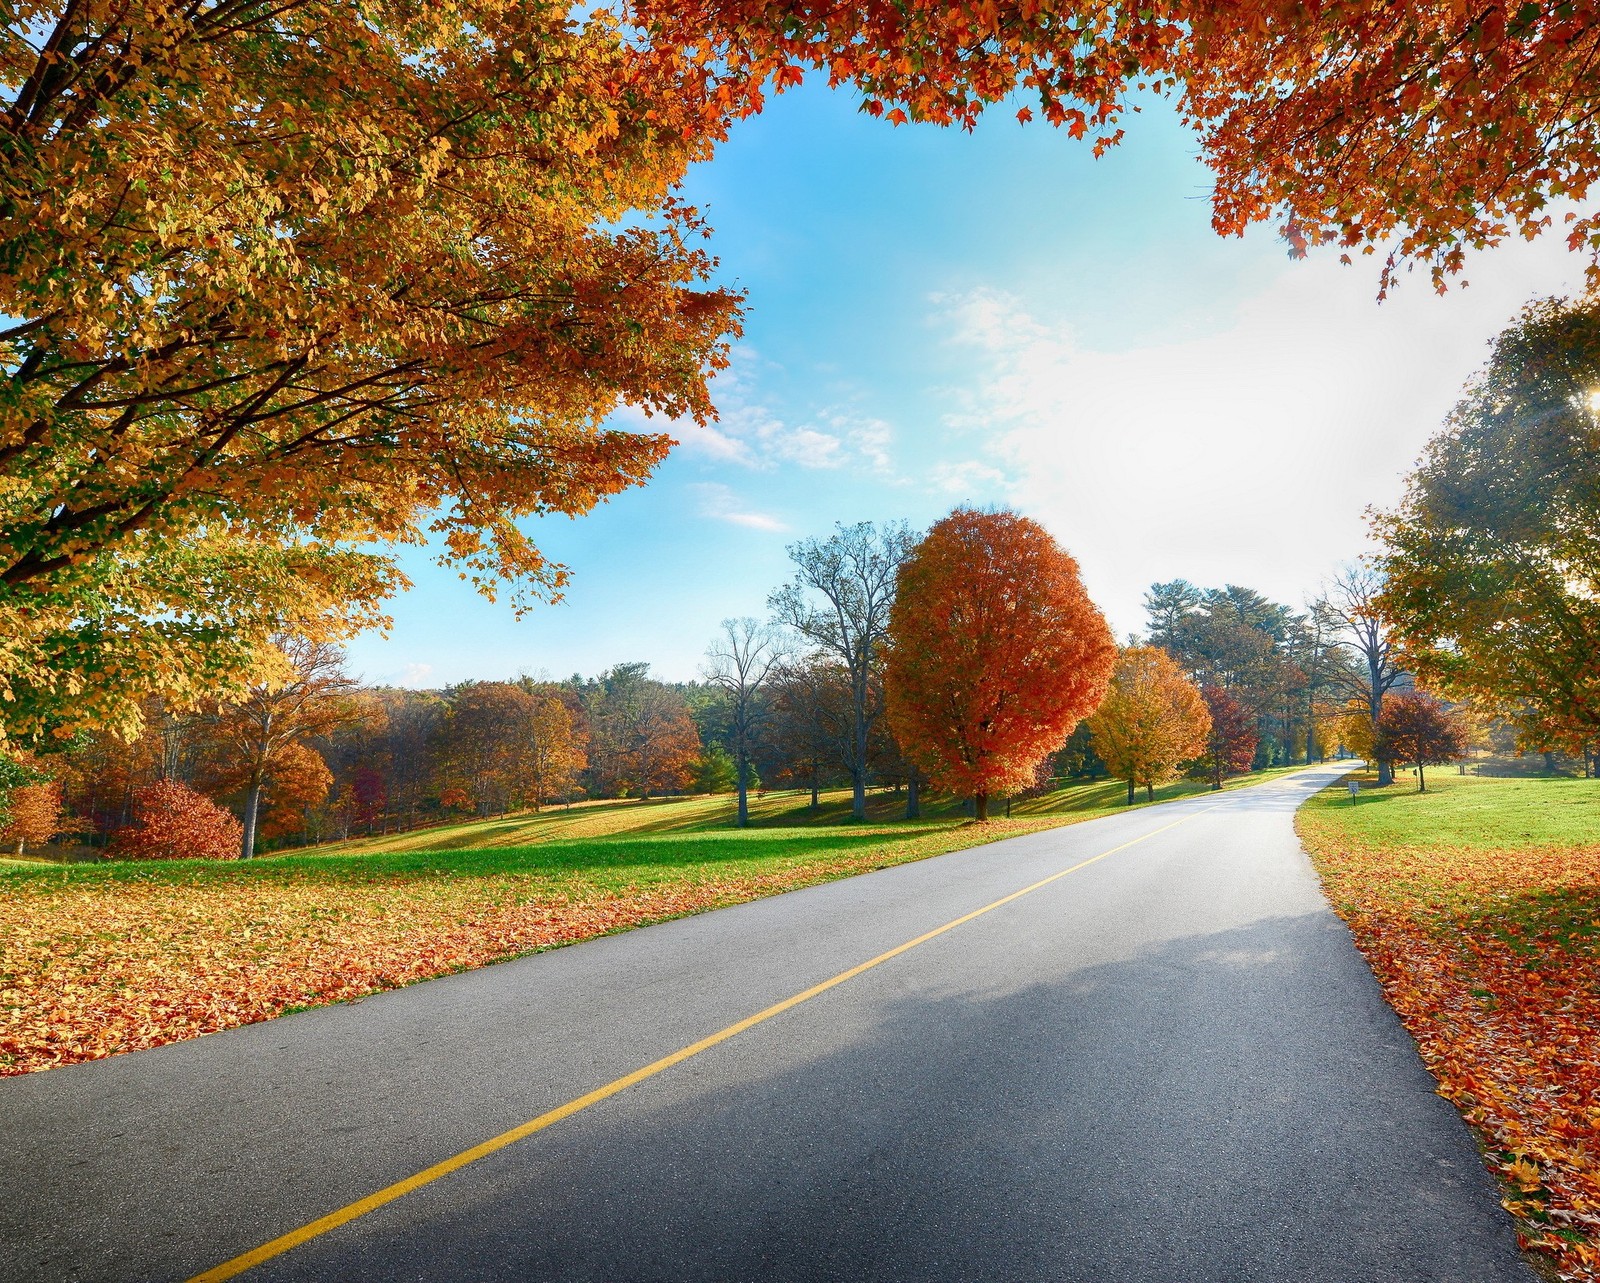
(327, 758)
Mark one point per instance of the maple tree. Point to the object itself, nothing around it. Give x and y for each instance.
(265, 733)
(16, 771)
(995, 652)
(1419, 729)
(286, 278)
(1230, 747)
(555, 753)
(296, 784)
(839, 603)
(173, 822)
(33, 814)
(1492, 556)
(1152, 718)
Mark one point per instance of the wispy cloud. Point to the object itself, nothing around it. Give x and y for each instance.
(750, 432)
(720, 503)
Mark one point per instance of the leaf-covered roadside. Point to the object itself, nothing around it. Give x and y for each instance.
(92, 966)
(1491, 957)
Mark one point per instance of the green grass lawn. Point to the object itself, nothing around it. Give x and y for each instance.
(611, 844)
(1465, 811)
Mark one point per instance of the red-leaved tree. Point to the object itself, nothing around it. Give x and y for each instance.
(173, 822)
(1417, 728)
(995, 652)
(1231, 742)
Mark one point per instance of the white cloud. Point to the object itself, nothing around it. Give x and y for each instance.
(1246, 454)
(965, 478)
(749, 432)
(720, 503)
(415, 675)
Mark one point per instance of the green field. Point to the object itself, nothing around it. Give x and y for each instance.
(615, 844)
(1464, 811)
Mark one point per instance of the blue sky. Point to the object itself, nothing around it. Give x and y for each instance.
(994, 318)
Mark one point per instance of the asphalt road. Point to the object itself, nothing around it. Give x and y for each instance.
(1171, 1066)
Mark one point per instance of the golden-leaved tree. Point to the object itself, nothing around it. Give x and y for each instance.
(262, 738)
(1152, 718)
(284, 278)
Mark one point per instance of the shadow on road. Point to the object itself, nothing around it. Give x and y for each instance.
(1232, 1107)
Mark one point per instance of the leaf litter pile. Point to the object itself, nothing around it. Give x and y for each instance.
(1492, 960)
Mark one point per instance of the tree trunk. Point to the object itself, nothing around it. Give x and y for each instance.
(1422, 784)
(1149, 792)
(1131, 798)
(742, 770)
(980, 806)
(252, 806)
(858, 797)
(913, 795)
(1375, 710)
(816, 785)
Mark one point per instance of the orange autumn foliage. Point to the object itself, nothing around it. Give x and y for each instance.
(995, 652)
(1152, 718)
(173, 822)
(34, 811)
(284, 279)
(1490, 957)
(1418, 130)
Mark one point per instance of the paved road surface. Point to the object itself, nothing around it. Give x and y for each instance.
(1170, 1066)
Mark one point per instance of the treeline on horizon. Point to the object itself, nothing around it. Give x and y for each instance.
(352, 760)
(1475, 622)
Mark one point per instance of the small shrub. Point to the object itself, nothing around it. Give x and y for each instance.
(173, 822)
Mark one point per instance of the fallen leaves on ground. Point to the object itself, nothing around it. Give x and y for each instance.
(1492, 960)
(93, 969)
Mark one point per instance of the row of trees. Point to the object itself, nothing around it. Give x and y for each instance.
(1485, 591)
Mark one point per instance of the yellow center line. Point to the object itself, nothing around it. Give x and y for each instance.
(314, 1229)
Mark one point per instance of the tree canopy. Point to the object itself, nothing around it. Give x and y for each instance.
(1493, 557)
(284, 278)
(996, 651)
(1152, 719)
(1417, 131)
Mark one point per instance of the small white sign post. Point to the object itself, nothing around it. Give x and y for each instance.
(1355, 788)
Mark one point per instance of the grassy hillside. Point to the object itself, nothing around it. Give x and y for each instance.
(711, 814)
